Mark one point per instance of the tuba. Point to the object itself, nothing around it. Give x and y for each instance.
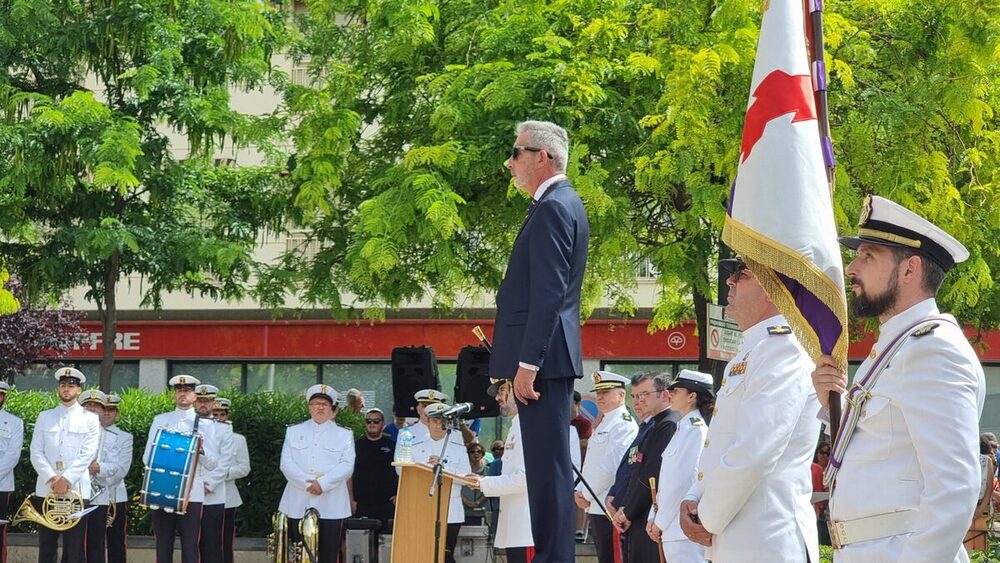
(277, 542)
(57, 511)
(309, 528)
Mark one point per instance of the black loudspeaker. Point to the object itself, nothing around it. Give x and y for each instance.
(413, 368)
(471, 381)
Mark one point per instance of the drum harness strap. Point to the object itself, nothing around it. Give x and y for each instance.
(880, 525)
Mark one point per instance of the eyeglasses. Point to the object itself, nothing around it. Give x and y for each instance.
(372, 421)
(739, 273)
(480, 452)
(515, 151)
(496, 449)
(643, 395)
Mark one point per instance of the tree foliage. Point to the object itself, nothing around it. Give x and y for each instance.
(36, 333)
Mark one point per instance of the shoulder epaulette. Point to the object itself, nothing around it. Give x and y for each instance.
(779, 329)
(924, 331)
(110, 431)
(627, 416)
(696, 421)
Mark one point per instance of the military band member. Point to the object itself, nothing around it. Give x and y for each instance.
(750, 502)
(418, 429)
(118, 530)
(456, 460)
(213, 509)
(608, 443)
(106, 467)
(11, 442)
(239, 469)
(692, 397)
(184, 419)
(317, 458)
(63, 444)
(905, 481)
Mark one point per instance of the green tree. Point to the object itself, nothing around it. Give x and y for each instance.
(91, 188)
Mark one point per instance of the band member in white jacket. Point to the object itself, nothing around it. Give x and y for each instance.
(456, 460)
(514, 519)
(124, 442)
(107, 469)
(317, 458)
(63, 443)
(239, 469)
(692, 396)
(11, 441)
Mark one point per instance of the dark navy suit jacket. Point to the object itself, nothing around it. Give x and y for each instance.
(538, 303)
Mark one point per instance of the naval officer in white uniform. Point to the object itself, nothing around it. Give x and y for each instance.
(184, 419)
(751, 500)
(239, 469)
(608, 444)
(108, 467)
(11, 441)
(213, 508)
(317, 458)
(424, 398)
(117, 532)
(63, 443)
(905, 483)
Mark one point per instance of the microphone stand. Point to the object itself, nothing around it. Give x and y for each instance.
(436, 482)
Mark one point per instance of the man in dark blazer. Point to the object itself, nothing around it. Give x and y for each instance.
(536, 338)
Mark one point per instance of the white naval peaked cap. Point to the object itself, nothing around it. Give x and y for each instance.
(70, 374)
(436, 408)
(205, 391)
(430, 396)
(888, 223)
(609, 380)
(183, 380)
(224, 403)
(4, 387)
(694, 381)
(113, 400)
(93, 396)
(323, 390)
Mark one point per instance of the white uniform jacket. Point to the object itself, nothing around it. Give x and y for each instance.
(11, 442)
(324, 452)
(678, 473)
(113, 460)
(419, 432)
(755, 476)
(125, 443)
(608, 444)
(64, 442)
(456, 459)
(239, 469)
(215, 480)
(183, 421)
(916, 445)
(514, 520)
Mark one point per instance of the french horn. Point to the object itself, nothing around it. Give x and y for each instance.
(57, 511)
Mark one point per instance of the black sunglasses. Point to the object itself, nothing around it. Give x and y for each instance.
(496, 449)
(372, 421)
(515, 151)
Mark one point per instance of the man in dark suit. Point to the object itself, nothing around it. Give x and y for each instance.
(536, 339)
(630, 519)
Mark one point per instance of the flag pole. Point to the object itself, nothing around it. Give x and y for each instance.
(817, 63)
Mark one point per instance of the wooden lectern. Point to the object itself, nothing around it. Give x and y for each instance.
(416, 512)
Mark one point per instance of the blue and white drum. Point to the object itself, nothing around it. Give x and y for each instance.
(173, 460)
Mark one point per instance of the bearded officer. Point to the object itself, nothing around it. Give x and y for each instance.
(123, 444)
(608, 444)
(63, 443)
(751, 500)
(184, 419)
(905, 481)
(424, 398)
(238, 469)
(317, 458)
(11, 441)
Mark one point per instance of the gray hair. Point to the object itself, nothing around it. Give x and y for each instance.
(549, 137)
(661, 380)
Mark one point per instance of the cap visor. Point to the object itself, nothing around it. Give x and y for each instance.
(854, 242)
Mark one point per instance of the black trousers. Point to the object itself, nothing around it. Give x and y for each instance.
(117, 535)
(73, 540)
(450, 541)
(213, 520)
(331, 535)
(640, 547)
(97, 535)
(605, 541)
(229, 535)
(545, 436)
(188, 525)
(4, 515)
(519, 554)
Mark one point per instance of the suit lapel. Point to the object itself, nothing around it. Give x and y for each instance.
(558, 185)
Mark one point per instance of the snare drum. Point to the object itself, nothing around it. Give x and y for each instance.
(173, 460)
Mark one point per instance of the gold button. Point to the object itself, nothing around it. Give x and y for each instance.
(706, 442)
(715, 411)
(723, 381)
(872, 354)
(700, 476)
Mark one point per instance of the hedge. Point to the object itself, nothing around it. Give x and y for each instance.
(261, 417)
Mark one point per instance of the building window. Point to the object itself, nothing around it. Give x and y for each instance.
(281, 377)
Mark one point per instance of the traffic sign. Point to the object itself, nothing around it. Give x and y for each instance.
(724, 335)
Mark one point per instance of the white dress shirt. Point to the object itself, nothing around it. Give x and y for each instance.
(63, 443)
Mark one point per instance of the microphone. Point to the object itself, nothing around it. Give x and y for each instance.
(454, 412)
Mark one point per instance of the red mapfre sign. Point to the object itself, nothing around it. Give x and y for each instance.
(318, 340)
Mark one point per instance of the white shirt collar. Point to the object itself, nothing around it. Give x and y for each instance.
(546, 184)
(899, 321)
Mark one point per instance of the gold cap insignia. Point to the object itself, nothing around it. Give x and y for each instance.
(866, 211)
